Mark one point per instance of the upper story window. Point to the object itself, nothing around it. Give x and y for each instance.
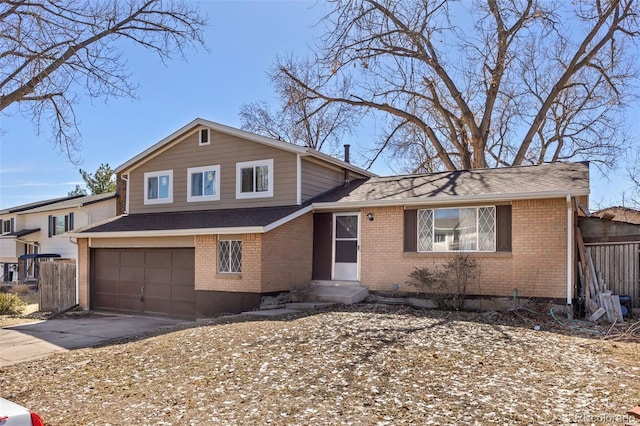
(203, 183)
(6, 226)
(204, 137)
(254, 179)
(158, 187)
(60, 224)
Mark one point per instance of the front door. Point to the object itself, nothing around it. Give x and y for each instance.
(346, 246)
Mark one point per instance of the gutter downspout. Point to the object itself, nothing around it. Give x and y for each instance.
(569, 256)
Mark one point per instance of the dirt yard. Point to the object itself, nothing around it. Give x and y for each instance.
(361, 365)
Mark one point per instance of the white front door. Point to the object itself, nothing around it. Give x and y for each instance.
(346, 246)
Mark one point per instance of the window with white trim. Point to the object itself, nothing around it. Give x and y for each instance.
(204, 137)
(60, 224)
(229, 256)
(158, 187)
(203, 183)
(457, 229)
(254, 179)
(6, 226)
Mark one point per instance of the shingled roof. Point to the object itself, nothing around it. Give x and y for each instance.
(544, 181)
(258, 217)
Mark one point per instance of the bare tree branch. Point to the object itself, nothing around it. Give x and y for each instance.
(302, 118)
(48, 50)
(519, 81)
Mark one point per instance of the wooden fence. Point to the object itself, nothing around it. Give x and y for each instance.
(57, 286)
(619, 264)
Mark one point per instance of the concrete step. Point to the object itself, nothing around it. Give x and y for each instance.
(347, 295)
(335, 283)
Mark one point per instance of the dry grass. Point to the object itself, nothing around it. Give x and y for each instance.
(28, 314)
(361, 365)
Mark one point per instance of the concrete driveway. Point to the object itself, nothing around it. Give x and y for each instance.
(25, 342)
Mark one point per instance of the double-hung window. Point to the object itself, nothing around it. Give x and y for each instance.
(6, 226)
(229, 256)
(158, 187)
(457, 229)
(254, 179)
(203, 183)
(60, 224)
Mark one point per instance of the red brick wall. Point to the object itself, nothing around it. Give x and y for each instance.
(536, 266)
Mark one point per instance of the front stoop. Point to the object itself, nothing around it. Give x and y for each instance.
(330, 291)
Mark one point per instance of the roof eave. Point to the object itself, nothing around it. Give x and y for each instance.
(336, 161)
(169, 232)
(415, 201)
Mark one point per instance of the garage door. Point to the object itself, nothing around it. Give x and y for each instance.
(144, 281)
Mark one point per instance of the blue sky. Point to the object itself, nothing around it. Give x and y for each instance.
(244, 38)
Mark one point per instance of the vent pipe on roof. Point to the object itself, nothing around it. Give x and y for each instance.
(346, 160)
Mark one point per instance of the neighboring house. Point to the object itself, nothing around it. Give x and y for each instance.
(35, 230)
(619, 214)
(215, 217)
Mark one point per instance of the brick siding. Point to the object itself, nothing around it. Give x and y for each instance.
(83, 272)
(536, 266)
(207, 276)
(276, 261)
(287, 255)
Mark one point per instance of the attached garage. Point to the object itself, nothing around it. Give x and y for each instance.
(158, 281)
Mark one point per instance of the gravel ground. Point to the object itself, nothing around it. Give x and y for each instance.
(361, 365)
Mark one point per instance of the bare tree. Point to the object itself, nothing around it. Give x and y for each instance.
(299, 119)
(482, 84)
(51, 49)
(633, 170)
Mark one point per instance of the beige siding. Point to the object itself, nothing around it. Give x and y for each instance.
(226, 151)
(317, 178)
(536, 266)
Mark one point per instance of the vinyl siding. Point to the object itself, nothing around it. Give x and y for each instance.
(317, 178)
(224, 150)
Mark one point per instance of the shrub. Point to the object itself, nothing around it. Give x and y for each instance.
(10, 304)
(21, 289)
(448, 286)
